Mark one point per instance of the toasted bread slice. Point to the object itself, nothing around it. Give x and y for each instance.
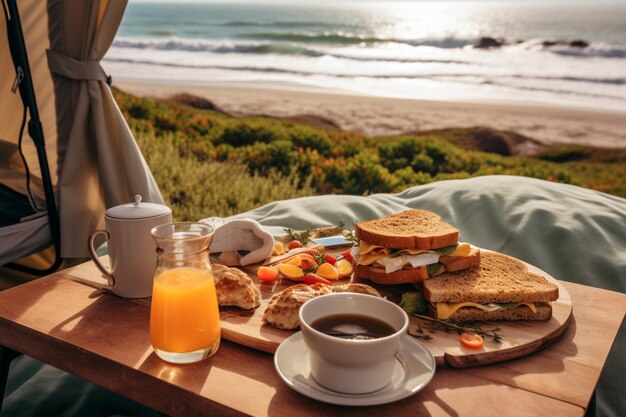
(543, 312)
(410, 275)
(459, 263)
(498, 279)
(401, 276)
(411, 229)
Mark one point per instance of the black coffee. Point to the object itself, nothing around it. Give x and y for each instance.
(353, 326)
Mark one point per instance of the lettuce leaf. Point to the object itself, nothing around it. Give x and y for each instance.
(414, 303)
(433, 269)
(447, 250)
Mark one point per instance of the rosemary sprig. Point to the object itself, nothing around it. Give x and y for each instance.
(419, 333)
(332, 230)
(459, 328)
(350, 236)
(303, 236)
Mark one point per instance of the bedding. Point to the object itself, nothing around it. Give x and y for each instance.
(575, 234)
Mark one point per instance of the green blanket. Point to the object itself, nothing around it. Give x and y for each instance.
(575, 234)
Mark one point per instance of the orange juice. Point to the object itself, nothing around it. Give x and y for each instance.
(184, 316)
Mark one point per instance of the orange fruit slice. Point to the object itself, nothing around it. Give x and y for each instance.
(267, 273)
(294, 260)
(327, 271)
(291, 271)
(279, 249)
(344, 268)
(309, 258)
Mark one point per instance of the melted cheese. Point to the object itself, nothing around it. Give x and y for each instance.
(395, 263)
(463, 249)
(368, 253)
(445, 310)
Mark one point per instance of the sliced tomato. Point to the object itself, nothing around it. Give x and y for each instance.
(311, 279)
(472, 340)
(347, 255)
(294, 244)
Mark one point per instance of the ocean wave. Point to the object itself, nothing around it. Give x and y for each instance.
(216, 47)
(304, 45)
(280, 48)
(484, 79)
(339, 38)
(600, 51)
(577, 48)
(399, 60)
(264, 48)
(284, 24)
(344, 38)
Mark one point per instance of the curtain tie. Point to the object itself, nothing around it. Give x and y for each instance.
(76, 70)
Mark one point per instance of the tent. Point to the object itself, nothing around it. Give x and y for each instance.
(66, 152)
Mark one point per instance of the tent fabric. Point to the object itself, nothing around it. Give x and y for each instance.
(575, 234)
(94, 161)
(74, 69)
(24, 238)
(33, 16)
(101, 163)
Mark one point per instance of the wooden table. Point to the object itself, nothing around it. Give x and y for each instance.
(105, 339)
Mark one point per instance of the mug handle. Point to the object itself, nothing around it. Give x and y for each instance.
(94, 256)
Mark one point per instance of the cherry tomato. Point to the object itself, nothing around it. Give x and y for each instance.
(311, 279)
(472, 340)
(294, 244)
(330, 259)
(347, 255)
(267, 273)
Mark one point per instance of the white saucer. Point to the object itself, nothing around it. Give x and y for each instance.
(415, 367)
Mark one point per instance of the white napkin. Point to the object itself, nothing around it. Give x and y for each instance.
(241, 235)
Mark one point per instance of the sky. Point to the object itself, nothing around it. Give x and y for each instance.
(337, 2)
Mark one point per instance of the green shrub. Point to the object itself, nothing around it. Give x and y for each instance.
(207, 163)
(309, 138)
(244, 134)
(564, 153)
(195, 189)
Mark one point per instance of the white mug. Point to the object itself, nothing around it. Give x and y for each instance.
(132, 250)
(352, 366)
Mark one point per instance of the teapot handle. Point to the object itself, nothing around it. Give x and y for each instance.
(94, 256)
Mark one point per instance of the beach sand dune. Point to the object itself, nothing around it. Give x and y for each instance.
(380, 116)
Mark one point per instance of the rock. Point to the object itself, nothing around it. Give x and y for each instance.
(196, 102)
(486, 139)
(487, 43)
(547, 44)
(579, 43)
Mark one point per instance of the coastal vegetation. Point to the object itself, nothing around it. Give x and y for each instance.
(208, 163)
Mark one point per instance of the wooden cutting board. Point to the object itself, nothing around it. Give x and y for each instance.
(518, 338)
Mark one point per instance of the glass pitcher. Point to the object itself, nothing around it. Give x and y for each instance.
(184, 316)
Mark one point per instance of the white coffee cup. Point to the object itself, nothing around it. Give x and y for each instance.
(132, 250)
(352, 366)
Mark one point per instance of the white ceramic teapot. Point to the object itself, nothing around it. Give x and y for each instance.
(132, 250)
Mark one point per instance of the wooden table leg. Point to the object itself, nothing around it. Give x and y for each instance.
(6, 357)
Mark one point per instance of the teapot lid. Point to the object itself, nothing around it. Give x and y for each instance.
(137, 210)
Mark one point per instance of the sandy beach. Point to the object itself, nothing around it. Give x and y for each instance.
(376, 116)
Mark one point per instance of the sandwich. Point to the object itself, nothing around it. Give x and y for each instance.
(409, 247)
(501, 288)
